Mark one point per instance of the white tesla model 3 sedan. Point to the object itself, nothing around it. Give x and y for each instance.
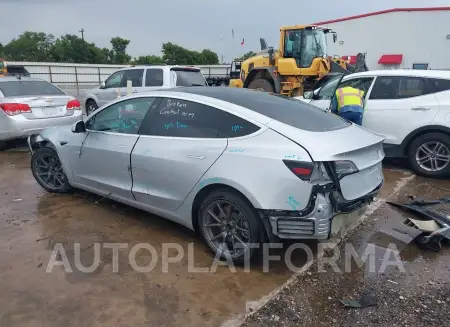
(239, 166)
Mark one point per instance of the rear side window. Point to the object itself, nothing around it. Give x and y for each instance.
(134, 75)
(20, 88)
(396, 87)
(154, 77)
(181, 118)
(189, 78)
(439, 84)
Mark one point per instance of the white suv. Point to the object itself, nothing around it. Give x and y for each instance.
(144, 78)
(411, 108)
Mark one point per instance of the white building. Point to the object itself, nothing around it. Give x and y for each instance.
(409, 38)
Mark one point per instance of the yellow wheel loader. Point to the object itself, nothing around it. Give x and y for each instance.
(297, 65)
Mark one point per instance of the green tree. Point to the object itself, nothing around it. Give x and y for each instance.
(30, 46)
(148, 60)
(247, 55)
(174, 54)
(209, 57)
(71, 48)
(119, 50)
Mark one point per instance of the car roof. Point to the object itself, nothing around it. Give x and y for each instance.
(252, 104)
(158, 66)
(22, 78)
(403, 72)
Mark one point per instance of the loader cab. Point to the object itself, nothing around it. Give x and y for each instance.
(304, 44)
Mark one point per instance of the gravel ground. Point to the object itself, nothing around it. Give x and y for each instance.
(417, 296)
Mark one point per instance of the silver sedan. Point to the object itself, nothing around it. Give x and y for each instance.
(28, 105)
(239, 166)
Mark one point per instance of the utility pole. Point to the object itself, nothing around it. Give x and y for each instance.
(82, 37)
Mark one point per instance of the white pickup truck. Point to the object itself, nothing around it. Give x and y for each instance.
(143, 79)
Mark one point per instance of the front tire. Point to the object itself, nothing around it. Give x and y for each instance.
(229, 225)
(262, 84)
(91, 106)
(48, 171)
(429, 155)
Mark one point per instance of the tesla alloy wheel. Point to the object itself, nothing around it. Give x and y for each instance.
(48, 171)
(229, 225)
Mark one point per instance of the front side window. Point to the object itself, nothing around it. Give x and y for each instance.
(181, 118)
(122, 117)
(362, 84)
(328, 90)
(396, 87)
(22, 88)
(154, 77)
(133, 75)
(114, 80)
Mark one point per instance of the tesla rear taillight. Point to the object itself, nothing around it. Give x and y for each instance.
(13, 109)
(302, 170)
(344, 168)
(73, 105)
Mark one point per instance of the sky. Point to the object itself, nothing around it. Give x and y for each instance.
(194, 24)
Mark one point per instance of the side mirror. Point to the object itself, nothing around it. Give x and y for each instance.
(79, 127)
(102, 85)
(308, 95)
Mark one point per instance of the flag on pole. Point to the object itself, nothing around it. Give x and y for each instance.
(242, 43)
(232, 33)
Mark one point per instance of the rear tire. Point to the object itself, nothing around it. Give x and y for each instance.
(48, 171)
(261, 84)
(91, 106)
(429, 155)
(235, 219)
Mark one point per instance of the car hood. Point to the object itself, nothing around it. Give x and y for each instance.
(302, 99)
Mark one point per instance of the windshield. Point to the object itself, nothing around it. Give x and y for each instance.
(304, 45)
(22, 88)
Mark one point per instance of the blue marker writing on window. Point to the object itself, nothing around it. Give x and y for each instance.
(177, 125)
(236, 128)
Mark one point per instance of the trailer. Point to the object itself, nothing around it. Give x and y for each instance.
(221, 75)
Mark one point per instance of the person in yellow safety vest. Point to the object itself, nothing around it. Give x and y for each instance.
(349, 104)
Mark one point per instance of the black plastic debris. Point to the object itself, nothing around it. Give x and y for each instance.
(367, 300)
(429, 240)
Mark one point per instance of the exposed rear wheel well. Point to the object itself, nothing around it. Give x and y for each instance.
(204, 193)
(89, 100)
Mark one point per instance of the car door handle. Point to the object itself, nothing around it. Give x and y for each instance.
(421, 108)
(196, 157)
(135, 91)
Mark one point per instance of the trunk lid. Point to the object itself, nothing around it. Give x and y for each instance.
(52, 106)
(351, 143)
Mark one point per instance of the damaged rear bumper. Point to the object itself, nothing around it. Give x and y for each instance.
(316, 224)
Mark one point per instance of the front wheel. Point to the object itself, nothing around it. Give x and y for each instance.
(230, 225)
(262, 84)
(429, 155)
(48, 171)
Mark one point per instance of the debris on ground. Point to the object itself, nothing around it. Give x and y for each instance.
(367, 300)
